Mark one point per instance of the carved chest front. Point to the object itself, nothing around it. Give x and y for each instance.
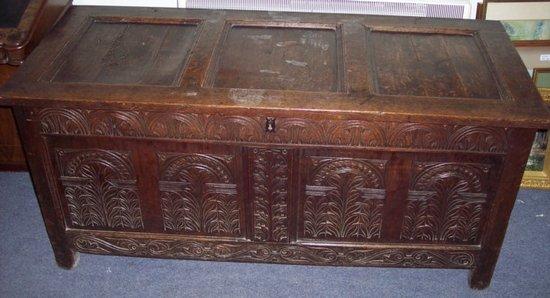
(271, 137)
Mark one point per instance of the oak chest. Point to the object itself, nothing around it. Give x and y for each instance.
(276, 137)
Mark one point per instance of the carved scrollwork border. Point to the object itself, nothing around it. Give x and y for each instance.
(272, 253)
(192, 126)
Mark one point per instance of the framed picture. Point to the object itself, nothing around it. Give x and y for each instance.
(528, 32)
(541, 77)
(527, 22)
(537, 170)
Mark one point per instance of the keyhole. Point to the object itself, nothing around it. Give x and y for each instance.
(270, 124)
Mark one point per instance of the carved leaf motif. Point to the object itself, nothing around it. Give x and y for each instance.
(472, 138)
(297, 131)
(234, 128)
(273, 253)
(221, 214)
(344, 199)
(180, 210)
(270, 191)
(64, 121)
(198, 194)
(100, 188)
(177, 125)
(116, 123)
(445, 203)
(358, 133)
(362, 133)
(414, 135)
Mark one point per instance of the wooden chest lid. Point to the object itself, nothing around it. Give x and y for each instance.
(346, 66)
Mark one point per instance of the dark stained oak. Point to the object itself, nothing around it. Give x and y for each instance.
(279, 58)
(280, 138)
(442, 65)
(12, 157)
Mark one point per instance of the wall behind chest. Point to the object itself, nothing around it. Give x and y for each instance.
(456, 9)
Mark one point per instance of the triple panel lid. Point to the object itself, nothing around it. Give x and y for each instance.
(391, 68)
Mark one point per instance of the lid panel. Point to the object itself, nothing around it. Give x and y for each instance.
(304, 59)
(431, 65)
(129, 53)
(235, 62)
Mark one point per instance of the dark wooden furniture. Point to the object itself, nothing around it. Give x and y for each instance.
(12, 157)
(23, 23)
(276, 137)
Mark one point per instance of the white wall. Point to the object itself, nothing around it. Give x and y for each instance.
(468, 13)
(518, 11)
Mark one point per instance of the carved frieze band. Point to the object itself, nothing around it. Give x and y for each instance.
(446, 202)
(100, 188)
(344, 198)
(179, 125)
(270, 192)
(273, 253)
(199, 194)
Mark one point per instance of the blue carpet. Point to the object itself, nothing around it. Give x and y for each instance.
(28, 269)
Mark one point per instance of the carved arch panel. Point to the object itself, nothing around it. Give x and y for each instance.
(99, 187)
(446, 202)
(344, 199)
(198, 194)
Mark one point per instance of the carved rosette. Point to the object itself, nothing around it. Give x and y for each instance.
(100, 188)
(269, 188)
(446, 202)
(199, 194)
(273, 253)
(344, 199)
(192, 126)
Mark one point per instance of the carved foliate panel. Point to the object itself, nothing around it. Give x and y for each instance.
(344, 199)
(270, 191)
(191, 126)
(199, 194)
(273, 253)
(446, 202)
(99, 188)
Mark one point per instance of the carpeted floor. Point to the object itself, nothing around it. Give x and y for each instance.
(27, 266)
